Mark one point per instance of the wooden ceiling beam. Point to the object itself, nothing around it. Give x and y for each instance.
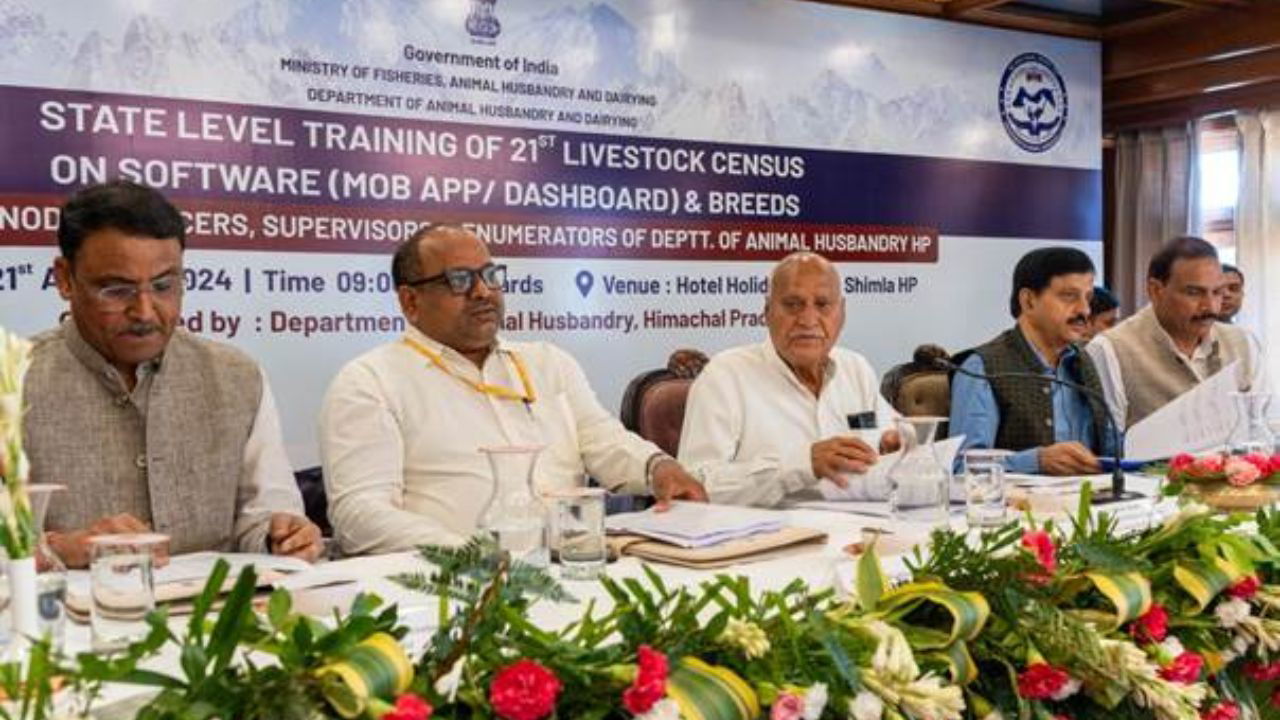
(1201, 35)
(958, 8)
(1190, 108)
(1208, 77)
(1035, 23)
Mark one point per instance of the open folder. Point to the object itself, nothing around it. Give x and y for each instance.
(184, 577)
(703, 535)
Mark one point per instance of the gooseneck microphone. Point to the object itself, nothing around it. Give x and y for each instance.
(1118, 491)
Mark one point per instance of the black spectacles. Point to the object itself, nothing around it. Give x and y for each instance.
(461, 280)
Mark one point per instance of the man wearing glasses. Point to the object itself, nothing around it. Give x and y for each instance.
(147, 425)
(401, 425)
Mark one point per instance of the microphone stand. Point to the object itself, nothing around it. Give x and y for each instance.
(1118, 491)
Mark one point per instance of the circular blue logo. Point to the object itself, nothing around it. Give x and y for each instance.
(1033, 102)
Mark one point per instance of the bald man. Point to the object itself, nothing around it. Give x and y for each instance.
(401, 426)
(765, 422)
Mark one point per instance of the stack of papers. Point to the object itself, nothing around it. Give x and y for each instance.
(697, 525)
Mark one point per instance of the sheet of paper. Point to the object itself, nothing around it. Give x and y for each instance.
(197, 566)
(874, 484)
(352, 570)
(1199, 419)
(697, 524)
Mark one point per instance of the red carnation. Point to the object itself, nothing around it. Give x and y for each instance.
(650, 684)
(1260, 461)
(1262, 673)
(1274, 700)
(1041, 545)
(1274, 466)
(1184, 669)
(524, 690)
(409, 707)
(1246, 588)
(1041, 681)
(1152, 626)
(1225, 710)
(1181, 462)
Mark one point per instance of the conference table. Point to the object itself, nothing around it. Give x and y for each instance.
(827, 565)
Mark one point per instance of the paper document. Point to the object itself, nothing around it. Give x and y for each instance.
(694, 525)
(196, 567)
(874, 484)
(1199, 419)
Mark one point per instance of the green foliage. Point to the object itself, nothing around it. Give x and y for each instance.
(213, 684)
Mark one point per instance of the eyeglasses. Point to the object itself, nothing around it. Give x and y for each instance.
(461, 280)
(166, 287)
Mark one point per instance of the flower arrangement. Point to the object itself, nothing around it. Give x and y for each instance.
(1229, 482)
(1177, 622)
(17, 525)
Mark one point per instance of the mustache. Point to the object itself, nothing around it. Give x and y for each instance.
(141, 329)
(1080, 319)
(1205, 316)
(482, 306)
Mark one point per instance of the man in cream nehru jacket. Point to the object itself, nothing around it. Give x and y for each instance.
(148, 425)
(1177, 341)
(401, 425)
(765, 422)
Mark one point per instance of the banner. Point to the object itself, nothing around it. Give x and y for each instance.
(639, 164)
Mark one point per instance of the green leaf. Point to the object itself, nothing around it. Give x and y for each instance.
(278, 608)
(871, 583)
(204, 601)
(235, 614)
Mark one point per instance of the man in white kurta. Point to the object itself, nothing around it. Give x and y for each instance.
(402, 425)
(766, 422)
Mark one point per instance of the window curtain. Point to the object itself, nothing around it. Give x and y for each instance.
(1155, 177)
(1258, 228)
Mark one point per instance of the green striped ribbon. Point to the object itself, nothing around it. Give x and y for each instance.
(711, 692)
(1129, 593)
(1204, 580)
(375, 668)
(969, 610)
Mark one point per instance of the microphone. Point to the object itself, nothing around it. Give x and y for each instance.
(1118, 491)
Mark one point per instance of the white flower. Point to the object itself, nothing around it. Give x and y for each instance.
(1070, 688)
(993, 715)
(664, 709)
(1232, 612)
(865, 706)
(447, 685)
(1170, 648)
(815, 701)
(746, 636)
(892, 657)
(930, 697)
(1240, 645)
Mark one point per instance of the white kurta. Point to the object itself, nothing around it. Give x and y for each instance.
(750, 423)
(400, 440)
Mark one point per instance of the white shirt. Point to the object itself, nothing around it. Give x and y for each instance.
(1103, 353)
(400, 439)
(750, 423)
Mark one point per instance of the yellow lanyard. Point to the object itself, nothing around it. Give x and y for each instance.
(484, 388)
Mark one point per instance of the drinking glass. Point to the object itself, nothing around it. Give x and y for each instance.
(578, 532)
(122, 587)
(984, 487)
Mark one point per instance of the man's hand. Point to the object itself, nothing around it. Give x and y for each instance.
(73, 547)
(1068, 458)
(890, 441)
(295, 536)
(672, 482)
(837, 455)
